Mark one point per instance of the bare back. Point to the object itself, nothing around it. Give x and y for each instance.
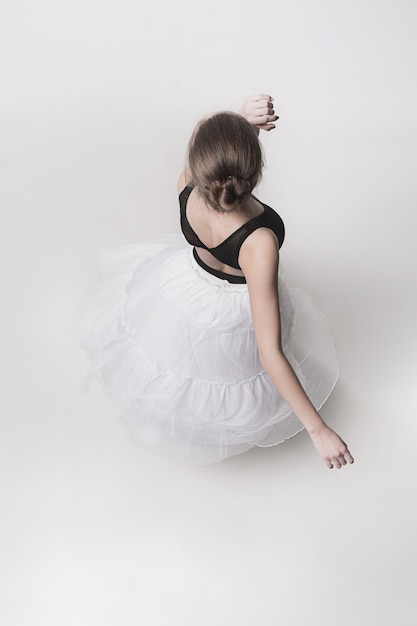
(213, 227)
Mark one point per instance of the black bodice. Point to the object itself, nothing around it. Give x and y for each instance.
(228, 251)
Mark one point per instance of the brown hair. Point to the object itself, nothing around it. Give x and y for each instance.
(225, 160)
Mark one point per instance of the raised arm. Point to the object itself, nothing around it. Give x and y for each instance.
(259, 258)
(259, 111)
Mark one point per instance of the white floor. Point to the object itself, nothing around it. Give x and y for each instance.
(96, 532)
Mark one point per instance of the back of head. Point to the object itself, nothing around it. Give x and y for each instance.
(225, 160)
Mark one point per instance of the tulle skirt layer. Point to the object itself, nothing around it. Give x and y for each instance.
(175, 350)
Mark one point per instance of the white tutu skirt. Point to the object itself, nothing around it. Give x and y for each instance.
(175, 350)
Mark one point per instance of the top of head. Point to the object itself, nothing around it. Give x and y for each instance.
(225, 159)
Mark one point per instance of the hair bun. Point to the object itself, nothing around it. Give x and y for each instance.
(225, 160)
(228, 194)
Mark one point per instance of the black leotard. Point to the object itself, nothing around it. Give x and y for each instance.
(228, 251)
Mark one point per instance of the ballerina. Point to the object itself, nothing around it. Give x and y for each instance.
(203, 349)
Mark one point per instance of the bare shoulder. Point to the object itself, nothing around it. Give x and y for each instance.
(259, 256)
(259, 259)
(184, 180)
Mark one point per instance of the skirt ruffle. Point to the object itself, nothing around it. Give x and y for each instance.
(175, 350)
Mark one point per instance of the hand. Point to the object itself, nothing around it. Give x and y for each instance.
(259, 111)
(331, 448)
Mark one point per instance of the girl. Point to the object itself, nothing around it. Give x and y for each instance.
(201, 346)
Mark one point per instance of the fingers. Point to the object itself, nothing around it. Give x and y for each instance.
(262, 96)
(258, 110)
(349, 458)
(262, 107)
(262, 119)
(332, 449)
(340, 460)
(267, 127)
(265, 105)
(344, 455)
(259, 105)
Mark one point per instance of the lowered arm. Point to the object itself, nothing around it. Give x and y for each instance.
(259, 259)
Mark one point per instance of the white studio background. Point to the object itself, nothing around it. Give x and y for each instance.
(98, 101)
